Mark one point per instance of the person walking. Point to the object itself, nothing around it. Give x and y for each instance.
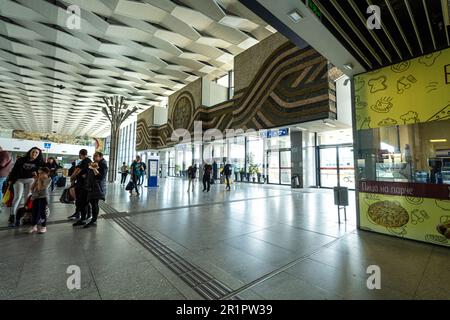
(39, 196)
(192, 175)
(124, 173)
(215, 172)
(135, 170)
(96, 186)
(72, 169)
(53, 166)
(142, 169)
(207, 170)
(21, 178)
(227, 170)
(5, 167)
(78, 179)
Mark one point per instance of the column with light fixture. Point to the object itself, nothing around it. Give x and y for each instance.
(117, 111)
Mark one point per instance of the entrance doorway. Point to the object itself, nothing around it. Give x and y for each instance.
(279, 166)
(336, 166)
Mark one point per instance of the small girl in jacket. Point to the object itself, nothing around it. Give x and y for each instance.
(39, 195)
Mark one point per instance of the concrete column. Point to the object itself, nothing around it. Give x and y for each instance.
(297, 156)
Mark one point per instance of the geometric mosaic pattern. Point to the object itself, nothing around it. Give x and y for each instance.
(56, 64)
(292, 86)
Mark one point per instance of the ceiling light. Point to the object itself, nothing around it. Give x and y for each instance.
(301, 128)
(295, 16)
(438, 140)
(348, 66)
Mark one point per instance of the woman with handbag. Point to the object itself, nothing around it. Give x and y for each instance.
(21, 178)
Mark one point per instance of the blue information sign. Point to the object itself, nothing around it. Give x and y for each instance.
(152, 173)
(276, 133)
(47, 145)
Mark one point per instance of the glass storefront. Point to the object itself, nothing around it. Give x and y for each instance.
(266, 159)
(403, 154)
(237, 157)
(255, 159)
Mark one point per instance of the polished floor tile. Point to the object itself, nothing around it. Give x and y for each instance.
(266, 242)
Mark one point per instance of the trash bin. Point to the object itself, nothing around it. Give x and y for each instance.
(340, 196)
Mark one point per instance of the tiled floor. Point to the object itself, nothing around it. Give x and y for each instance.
(262, 242)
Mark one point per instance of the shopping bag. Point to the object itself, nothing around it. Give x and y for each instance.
(8, 198)
(130, 186)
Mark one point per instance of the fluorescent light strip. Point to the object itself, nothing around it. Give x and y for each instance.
(438, 140)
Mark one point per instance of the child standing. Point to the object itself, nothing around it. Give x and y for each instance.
(40, 196)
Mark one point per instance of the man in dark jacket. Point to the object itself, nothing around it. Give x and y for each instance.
(78, 178)
(96, 186)
(207, 170)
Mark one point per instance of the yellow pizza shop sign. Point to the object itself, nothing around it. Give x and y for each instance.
(412, 91)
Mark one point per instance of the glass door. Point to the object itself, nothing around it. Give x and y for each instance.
(337, 165)
(273, 166)
(285, 167)
(328, 167)
(346, 167)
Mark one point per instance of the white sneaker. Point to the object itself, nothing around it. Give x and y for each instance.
(32, 229)
(42, 230)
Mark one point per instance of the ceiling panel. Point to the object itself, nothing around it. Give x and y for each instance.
(53, 77)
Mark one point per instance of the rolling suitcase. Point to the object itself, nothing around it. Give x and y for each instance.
(61, 182)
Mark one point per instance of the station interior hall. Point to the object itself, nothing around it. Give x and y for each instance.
(225, 149)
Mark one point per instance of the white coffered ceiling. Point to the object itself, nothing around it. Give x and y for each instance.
(144, 50)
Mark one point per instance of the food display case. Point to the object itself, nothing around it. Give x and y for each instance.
(445, 171)
(395, 172)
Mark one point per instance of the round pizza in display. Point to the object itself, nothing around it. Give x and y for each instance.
(388, 214)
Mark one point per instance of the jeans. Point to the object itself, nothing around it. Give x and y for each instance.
(141, 178)
(124, 178)
(95, 209)
(21, 190)
(81, 202)
(135, 180)
(206, 183)
(227, 179)
(191, 182)
(38, 212)
(54, 180)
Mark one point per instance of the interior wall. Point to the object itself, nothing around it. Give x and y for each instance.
(212, 93)
(244, 63)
